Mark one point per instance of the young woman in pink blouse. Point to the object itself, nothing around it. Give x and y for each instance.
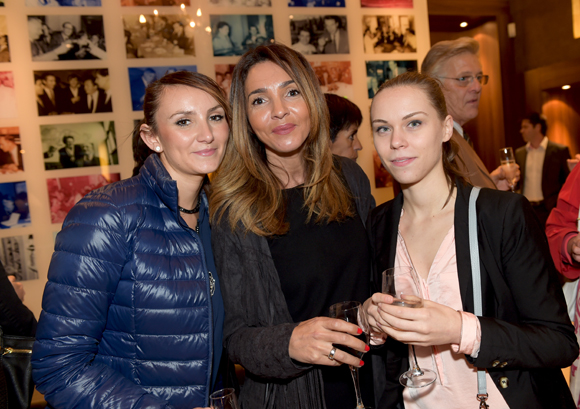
(524, 334)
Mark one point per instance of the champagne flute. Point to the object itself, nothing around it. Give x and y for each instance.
(224, 399)
(349, 312)
(402, 283)
(508, 164)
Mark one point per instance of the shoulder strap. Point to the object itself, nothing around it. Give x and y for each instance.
(476, 278)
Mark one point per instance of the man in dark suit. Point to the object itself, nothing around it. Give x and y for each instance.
(542, 164)
(49, 96)
(335, 39)
(73, 96)
(71, 153)
(102, 81)
(95, 98)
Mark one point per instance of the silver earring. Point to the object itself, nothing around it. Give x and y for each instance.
(157, 149)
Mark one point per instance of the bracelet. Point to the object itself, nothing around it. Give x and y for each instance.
(461, 333)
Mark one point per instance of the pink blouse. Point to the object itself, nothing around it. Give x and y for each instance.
(456, 384)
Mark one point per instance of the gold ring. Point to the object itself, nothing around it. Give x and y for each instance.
(331, 354)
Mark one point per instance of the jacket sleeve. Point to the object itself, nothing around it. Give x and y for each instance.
(84, 272)
(535, 330)
(562, 223)
(15, 318)
(248, 289)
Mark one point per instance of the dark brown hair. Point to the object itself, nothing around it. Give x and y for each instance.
(153, 95)
(343, 114)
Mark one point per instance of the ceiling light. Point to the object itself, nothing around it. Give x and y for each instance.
(566, 87)
(464, 24)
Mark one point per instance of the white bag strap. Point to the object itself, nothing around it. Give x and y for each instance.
(476, 278)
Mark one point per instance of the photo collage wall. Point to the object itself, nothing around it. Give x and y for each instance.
(71, 59)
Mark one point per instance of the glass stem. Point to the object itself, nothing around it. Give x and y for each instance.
(354, 373)
(416, 369)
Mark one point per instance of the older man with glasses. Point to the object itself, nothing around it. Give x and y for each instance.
(456, 65)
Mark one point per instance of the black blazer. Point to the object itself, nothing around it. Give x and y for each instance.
(554, 172)
(524, 322)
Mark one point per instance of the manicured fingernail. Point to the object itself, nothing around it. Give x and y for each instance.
(362, 363)
(367, 348)
(359, 331)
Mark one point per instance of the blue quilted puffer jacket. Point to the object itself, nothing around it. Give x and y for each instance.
(126, 316)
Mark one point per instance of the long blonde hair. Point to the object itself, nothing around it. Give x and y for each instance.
(245, 187)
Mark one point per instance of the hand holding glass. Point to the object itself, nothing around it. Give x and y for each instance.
(349, 312)
(224, 399)
(402, 283)
(508, 164)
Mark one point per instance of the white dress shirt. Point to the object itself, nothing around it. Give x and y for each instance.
(534, 167)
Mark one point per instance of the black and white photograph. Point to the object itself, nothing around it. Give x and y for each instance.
(10, 151)
(7, 95)
(4, 45)
(319, 34)
(389, 34)
(234, 34)
(335, 77)
(63, 3)
(380, 71)
(241, 3)
(79, 145)
(141, 77)
(17, 254)
(158, 36)
(67, 92)
(315, 3)
(14, 209)
(223, 76)
(154, 2)
(70, 37)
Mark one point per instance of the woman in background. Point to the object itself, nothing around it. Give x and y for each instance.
(289, 239)
(345, 119)
(524, 335)
(222, 43)
(132, 311)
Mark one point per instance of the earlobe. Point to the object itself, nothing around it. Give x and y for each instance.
(150, 139)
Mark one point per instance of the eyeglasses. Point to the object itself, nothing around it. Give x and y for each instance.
(466, 80)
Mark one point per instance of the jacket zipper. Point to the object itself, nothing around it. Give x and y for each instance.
(8, 351)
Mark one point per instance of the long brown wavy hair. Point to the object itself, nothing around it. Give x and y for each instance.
(244, 186)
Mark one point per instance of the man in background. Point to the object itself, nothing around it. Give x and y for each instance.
(543, 166)
(456, 65)
(335, 39)
(303, 45)
(102, 81)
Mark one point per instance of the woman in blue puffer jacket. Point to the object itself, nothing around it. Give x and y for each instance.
(132, 311)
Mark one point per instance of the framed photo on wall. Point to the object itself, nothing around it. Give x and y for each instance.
(68, 92)
(141, 77)
(400, 4)
(389, 34)
(335, 77)
(79, 145)
(158, 36)
(63, 3)
(64, 193)
(7, 95)
(14, 209)
(380, 71)
(241, 3)
(319, 34)
(4, 47)
(154, 2)
(10, 151)
(234, 34)
(316, 3)
(382, 177)
(70, 37)
(18, 256)
(223, 76)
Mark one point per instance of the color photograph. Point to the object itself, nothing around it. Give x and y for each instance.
(7, 95)
(67, 92)
(54, 38)
(382, 177)
(160, 36)
(63, 3)
(401, 4)
(241, 3)
(141, 77)
(10, 151)
(4, 47)
(234, 34)
(389, 34)
(380, 71)
(316, 3)
(14, 210)
(154, 2)
(64, 193)
(18, 256)
(79, 145)
(316, 34)
(223, 76)
(335, 77)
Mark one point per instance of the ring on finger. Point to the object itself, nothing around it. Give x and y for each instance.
(331, 354)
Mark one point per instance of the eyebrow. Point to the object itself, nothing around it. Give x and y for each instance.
(413, 114)
(218, 106)
(260, 90)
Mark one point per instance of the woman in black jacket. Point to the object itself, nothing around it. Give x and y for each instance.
(524, 335)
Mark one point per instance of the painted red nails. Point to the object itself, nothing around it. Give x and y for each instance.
(367, 348)
(362, 363)
(359, 331)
